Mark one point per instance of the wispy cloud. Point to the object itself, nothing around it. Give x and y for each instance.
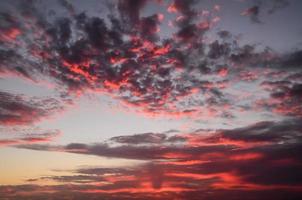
(16, 109)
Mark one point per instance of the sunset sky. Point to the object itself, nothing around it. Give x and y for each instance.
(151, 99)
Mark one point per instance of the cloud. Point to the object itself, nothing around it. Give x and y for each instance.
(270, 6)
(69, 7)
(284, 98)
(124, 55)
(122, 72)
(185, 8)
(253, 13)
(193, 72)
(293, 59)
(140, 138)
(277, 5)
(259, 159)
(130, 10)
(23, 110)
(30, 136)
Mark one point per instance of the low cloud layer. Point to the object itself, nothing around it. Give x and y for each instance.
(255, 160)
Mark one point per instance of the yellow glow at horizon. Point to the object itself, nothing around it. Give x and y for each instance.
(18, 165)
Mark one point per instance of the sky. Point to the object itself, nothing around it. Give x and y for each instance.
(150, 99)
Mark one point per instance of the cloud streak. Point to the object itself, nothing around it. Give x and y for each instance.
(22, 110)
(30, 137)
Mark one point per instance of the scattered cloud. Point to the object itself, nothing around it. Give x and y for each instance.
(172, 62)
